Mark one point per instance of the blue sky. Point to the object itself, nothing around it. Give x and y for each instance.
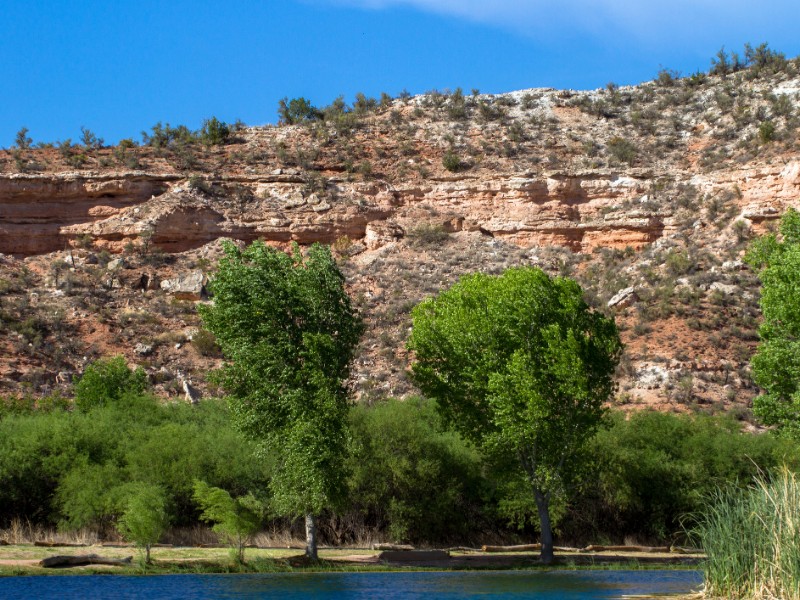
(119, 66)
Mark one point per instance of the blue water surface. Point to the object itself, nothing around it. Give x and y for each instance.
(561, 585)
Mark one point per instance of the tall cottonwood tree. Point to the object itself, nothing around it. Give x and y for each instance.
(521, 365)
(288, 333)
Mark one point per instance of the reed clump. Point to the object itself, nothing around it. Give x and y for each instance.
(752, 540)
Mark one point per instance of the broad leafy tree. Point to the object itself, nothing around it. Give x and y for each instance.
(522, 366)
(776, 364)
(288, 333)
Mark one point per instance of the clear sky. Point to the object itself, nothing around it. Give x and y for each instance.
(119, 66)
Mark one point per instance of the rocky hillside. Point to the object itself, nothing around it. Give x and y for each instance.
(648, 195)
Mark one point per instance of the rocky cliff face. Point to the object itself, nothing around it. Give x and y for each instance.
(653, 189)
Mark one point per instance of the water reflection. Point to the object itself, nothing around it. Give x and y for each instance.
(561, 585)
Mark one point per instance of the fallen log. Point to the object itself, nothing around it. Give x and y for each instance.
(684, 550)
(643, 549)
(392, 547)
(518, 548)
(43, 544)
(81, 560)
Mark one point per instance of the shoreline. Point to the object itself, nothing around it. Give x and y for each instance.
(23, 559)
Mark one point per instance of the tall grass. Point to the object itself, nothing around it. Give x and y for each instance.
(752, 540)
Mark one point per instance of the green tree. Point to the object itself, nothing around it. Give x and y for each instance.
(145, 518)
(776, 364)
(288, 331)
(521, 365)
(235, 519)
(107, 380)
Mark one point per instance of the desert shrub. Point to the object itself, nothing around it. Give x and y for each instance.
(427, 234)
(199, 183)
(667, 77)
(214, 132)
(297, 110)
(22, 141)
(763, 60)
(622, 149)
(451, 161)
(166, 136)
(725, 63)
(90, 140)
(205, 343)
(363, 104)
(766, 132)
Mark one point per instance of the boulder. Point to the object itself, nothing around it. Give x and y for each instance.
(624, 298)
(143, 349)
(188, 286)
(116, 264)
(726, 288)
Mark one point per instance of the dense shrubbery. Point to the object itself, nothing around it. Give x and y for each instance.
(658, 469)
(410, 480)
(78, 468)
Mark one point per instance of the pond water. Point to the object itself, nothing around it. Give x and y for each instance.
(562, 585)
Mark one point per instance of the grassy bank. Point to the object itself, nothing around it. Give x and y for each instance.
(23, 560)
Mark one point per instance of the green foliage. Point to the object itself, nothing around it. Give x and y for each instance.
(287, 328)
(654, 469)
(421, 483)
(75, 468)
(235, 519)
(297, 110)
(108, 380)
(408, 478)
(776, 364)
(145, 518)
(521, 365)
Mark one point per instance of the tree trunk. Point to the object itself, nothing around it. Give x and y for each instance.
(311, 536)
(543, 506)
(147, 554)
